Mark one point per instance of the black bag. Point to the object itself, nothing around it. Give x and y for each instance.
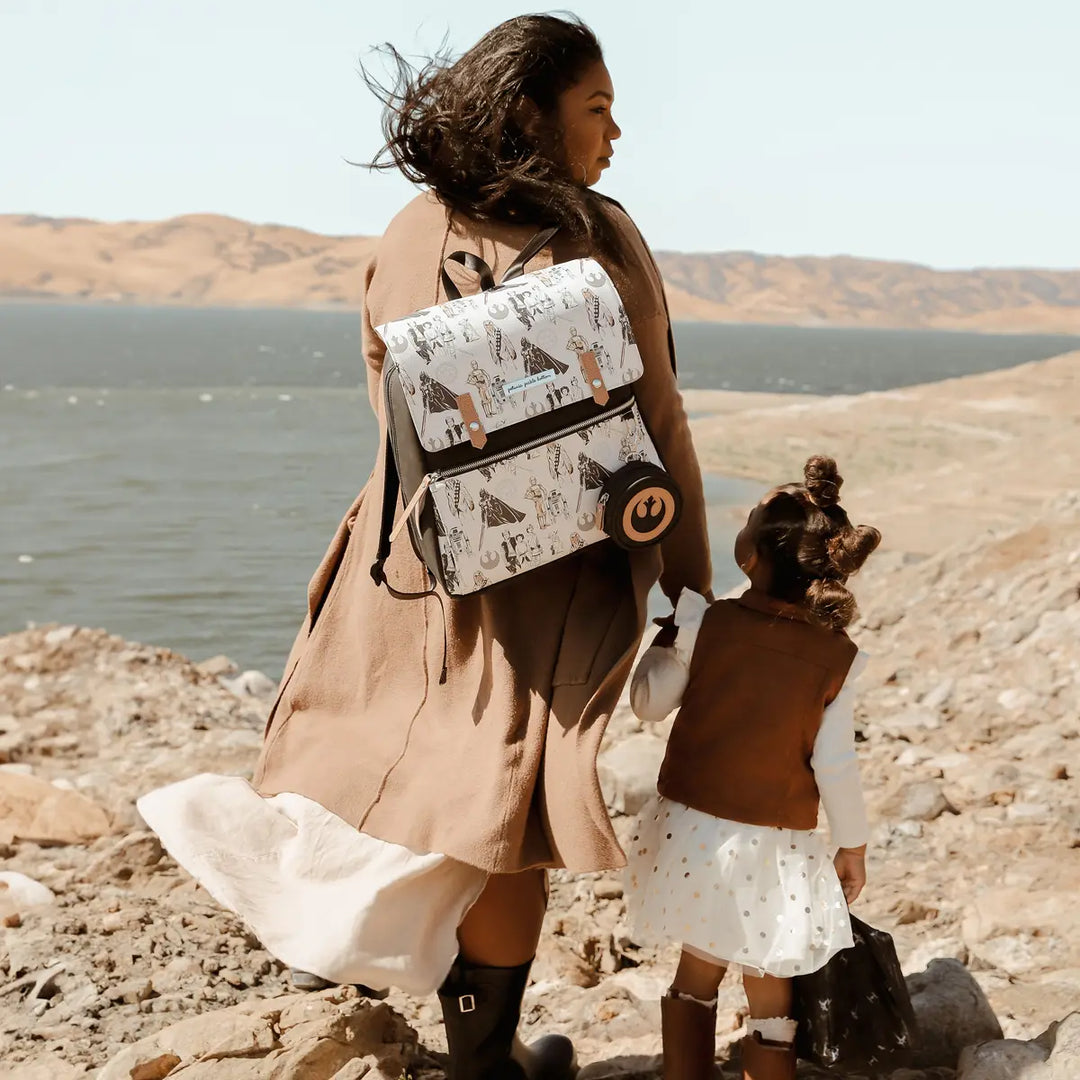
(855, 1012)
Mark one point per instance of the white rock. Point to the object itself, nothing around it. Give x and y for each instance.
(1016, 698)
(24, 891)
(55, 1068)
(936, 698)
(908, 828)
(216, 665)
(1041, 927)
(920, 800)
(942, 948)
(950, 761)
(1014, 954)
(909, 720)
(250, 684)
(911, 755)
(639, 984)
(60, 635)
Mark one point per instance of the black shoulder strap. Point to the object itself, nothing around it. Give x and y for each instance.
(391, 487)
(529, 251)
(470, 262)
(483, 271)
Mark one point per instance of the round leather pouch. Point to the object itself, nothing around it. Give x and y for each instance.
(639, 505)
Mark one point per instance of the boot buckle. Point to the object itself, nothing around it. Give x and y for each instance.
(467, 1003)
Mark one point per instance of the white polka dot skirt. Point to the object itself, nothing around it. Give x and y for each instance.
(763, 898)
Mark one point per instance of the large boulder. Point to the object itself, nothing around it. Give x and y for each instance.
(52, 1069)
(628, 771)
(919, 800)
(1002, 1059)
(33, 809)
(1054, 1055)
(1018, 929)
(295, 1037)
(952, 1013)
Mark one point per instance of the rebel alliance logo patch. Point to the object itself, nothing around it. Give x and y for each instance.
(648, 514)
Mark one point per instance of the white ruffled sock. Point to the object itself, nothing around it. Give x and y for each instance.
(773, 1029)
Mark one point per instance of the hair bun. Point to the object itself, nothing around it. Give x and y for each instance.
(851, 547)
(822, 481)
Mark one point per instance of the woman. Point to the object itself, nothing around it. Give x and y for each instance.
(492, 772)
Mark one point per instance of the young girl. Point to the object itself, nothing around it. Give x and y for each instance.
(730, 861)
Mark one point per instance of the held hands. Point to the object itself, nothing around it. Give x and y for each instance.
(850, 866)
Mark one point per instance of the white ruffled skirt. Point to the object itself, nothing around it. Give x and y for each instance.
(319, 894)
(766, 900)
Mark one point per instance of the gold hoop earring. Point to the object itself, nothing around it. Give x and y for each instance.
(584, 173)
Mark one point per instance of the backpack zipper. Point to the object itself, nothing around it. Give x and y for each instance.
(525, 448)
(416, 503)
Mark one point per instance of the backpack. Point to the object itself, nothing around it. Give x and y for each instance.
(513, 433)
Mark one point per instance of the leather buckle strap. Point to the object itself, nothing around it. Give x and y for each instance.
(473, 424)
(594, 377)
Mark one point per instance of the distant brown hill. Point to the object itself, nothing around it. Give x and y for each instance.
(210, 259)
(844, 291)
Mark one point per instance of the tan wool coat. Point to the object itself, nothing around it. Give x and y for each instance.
(497, 766)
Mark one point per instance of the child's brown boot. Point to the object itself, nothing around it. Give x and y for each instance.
(688, 1026)
(764, 1060)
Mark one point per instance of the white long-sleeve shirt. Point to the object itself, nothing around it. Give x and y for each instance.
(660, 680)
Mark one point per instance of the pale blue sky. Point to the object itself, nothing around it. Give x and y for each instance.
(943, 132)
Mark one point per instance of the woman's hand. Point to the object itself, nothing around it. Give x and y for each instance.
(850, 866)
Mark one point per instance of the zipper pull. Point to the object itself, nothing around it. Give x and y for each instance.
(601, 506)
(416, 502)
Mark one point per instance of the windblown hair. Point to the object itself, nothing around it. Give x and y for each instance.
(457, 126)
(812, 547)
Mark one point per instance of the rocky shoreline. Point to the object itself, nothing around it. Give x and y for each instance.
(114, 964)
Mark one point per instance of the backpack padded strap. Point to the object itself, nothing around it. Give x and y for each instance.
(531, 249)
(391, 488)
(470, 262)
(479, 267)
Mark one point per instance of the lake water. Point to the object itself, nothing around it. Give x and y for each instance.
(175, 474)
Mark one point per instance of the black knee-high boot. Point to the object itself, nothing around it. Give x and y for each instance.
(481, 1009)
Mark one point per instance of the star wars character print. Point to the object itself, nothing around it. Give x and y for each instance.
(857, 1009)
(501, 518)
(516, 350)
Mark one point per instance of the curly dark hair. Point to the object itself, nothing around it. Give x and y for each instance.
(812, 547)
(454, 125)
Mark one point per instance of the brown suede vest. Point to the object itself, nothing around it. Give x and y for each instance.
(761, 676)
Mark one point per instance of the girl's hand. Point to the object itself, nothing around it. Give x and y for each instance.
(850, 866)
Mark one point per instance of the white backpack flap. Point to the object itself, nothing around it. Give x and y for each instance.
(530, 345)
